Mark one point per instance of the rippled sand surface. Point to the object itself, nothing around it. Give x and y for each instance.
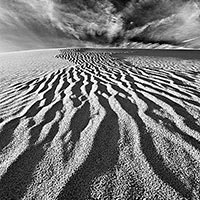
(77, 125)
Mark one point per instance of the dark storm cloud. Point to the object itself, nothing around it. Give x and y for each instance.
(58, 23)
(175, 22)
(89, 20)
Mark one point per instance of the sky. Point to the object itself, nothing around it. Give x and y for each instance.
(40, 24)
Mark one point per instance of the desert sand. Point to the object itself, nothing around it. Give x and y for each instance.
(79, 124)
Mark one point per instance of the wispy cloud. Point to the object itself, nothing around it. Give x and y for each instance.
(54, 23)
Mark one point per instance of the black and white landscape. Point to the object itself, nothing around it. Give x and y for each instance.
(99, 100)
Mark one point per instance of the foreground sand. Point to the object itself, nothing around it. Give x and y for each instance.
(89, 125)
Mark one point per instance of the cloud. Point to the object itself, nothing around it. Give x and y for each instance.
(181, 25)
(46, 22)
(30, 24)
(91, 20)
(58, 23)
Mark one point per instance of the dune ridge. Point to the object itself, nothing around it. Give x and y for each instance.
(83, 124)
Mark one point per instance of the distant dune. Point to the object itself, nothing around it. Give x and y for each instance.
(80, 124)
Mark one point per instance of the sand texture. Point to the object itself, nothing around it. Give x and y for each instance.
(77, 125)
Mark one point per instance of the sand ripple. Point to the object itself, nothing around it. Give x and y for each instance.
(80, 124)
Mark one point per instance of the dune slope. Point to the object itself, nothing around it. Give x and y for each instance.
(78, 124)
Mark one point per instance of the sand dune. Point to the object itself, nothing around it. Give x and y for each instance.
(86, 124)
